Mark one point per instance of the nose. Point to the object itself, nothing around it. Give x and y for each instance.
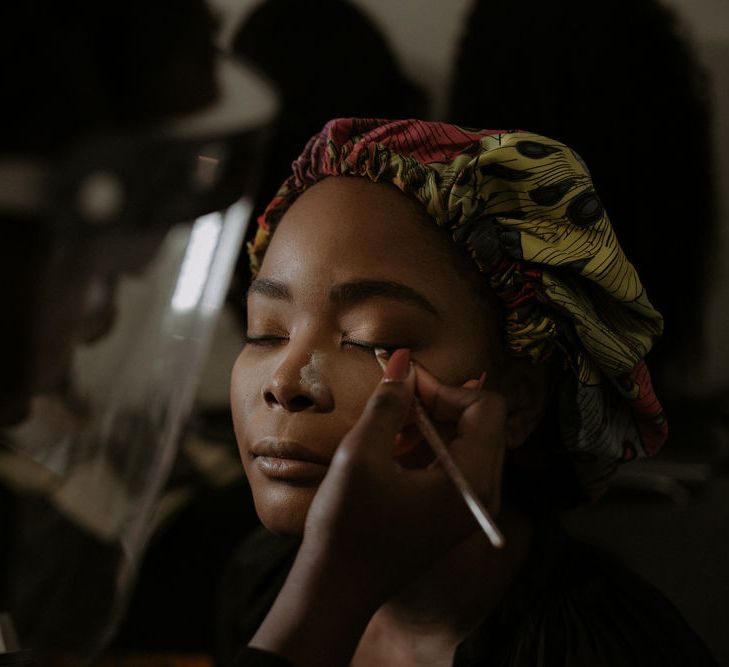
(297, 384)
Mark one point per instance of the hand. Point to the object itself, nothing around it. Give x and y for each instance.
(389, 523)
(374, 526)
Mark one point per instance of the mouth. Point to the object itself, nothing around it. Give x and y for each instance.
(286, 460)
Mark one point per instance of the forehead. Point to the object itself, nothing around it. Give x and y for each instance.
(346, 230)
(346, 225)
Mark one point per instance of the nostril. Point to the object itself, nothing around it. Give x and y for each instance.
(296, 403)
(299, 403)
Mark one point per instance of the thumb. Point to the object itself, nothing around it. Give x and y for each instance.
(386, 411)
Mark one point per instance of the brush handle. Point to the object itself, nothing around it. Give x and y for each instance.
(453, 471)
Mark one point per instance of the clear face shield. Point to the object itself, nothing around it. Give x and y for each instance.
(143, 234)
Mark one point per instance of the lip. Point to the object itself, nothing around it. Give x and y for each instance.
(288, 460)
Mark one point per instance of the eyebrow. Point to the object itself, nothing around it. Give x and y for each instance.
(273, 289)
(358, 291)
(351, 293)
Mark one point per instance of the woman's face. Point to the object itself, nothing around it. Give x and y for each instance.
(353, 265)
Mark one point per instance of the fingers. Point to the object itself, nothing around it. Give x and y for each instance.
(386, 410)
(477, 421)
(475, 384)
(445, 403)
(480, 421)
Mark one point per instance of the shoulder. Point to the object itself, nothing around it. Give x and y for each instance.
(575, 605)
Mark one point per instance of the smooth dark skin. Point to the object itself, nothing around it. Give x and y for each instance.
(392, 569)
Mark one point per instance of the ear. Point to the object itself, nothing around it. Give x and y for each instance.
(527, 388)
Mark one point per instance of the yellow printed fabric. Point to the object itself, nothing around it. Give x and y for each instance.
(524, 207)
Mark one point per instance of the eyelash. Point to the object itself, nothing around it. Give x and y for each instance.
(371, 347)
(270, 341)
(264, 341)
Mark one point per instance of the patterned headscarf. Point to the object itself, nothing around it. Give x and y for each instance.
(524, 208)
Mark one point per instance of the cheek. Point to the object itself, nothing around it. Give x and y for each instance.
(472, 353)
(243, 389)
(454, 365)
(353, 382)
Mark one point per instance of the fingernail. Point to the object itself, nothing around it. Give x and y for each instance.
(398, 367)
(481, 380)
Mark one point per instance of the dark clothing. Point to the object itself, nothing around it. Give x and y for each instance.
(571, 606)
(253, 657)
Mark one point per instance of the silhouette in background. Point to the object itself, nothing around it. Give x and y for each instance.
(618, 79)
(614, 81)
(310, 49)
(116, 118)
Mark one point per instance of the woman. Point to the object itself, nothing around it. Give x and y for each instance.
(484, 262)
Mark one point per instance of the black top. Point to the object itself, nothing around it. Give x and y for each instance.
(570, 606)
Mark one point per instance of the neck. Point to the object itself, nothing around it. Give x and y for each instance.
(439, 610)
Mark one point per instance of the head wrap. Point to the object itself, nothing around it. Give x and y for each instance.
(524, 208)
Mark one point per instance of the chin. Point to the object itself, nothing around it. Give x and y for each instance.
(283, 509)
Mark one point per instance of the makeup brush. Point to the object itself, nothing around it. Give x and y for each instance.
(440, 449)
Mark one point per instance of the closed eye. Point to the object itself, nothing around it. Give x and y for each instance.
(264, 341)
(369, 347)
